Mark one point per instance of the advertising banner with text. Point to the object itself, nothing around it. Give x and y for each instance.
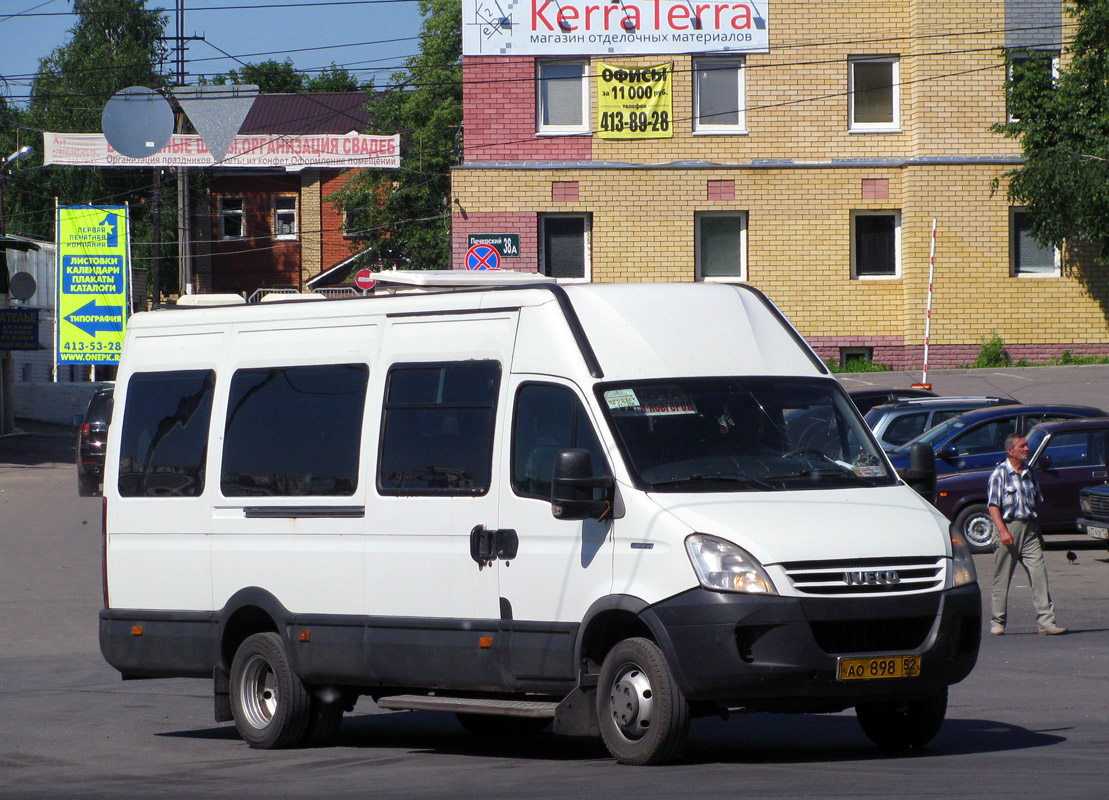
(93, 273)
(349, 151)
(634, 103)
(599, 27)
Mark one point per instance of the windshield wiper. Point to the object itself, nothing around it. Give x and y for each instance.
(728, 477)
(839, 472)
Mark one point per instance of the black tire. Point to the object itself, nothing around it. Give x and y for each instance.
(268, 701)
(325, 715)
(642, 713)
(88, 487)
(904, 725)
(495, 727)
(977, 528)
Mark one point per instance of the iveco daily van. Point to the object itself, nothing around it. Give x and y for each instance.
(608, 507)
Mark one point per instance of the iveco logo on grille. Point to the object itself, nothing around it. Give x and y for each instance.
(887, 577)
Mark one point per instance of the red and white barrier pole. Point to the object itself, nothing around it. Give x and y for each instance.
(928, 312)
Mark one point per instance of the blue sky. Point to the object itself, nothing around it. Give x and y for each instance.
(357, 35)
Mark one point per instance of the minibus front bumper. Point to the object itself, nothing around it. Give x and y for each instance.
(782, 653)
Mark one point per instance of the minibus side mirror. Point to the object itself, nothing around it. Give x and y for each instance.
(1044, 461)
(921, 472)
(573, 484)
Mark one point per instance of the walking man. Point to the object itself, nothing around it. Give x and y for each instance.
(1012, 500)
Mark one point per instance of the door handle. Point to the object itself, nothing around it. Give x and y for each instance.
(487, 545)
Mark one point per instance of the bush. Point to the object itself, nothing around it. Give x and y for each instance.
(992, 354)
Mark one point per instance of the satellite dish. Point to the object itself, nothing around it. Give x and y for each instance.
(22, 285)
(137, 121)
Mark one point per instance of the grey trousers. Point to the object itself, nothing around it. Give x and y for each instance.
(1028, 549)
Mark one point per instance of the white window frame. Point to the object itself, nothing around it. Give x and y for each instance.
(702, 127)
(874, 127)
(742, 275)
(587, 249)
(1009, 76)
(225, 213)
(896, 214)
(1014, 271)
(561, 130)
(275, 211)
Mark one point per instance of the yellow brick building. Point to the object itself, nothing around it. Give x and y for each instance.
(811, 167)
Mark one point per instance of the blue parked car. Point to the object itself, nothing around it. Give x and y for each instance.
(976, 439)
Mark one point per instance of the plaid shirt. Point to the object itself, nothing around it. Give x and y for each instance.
(1015, 493)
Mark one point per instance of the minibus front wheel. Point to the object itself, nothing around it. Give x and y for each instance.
(642, 713)
(903, 725)
(269, 703)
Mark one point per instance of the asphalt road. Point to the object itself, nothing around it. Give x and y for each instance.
(1032, 720)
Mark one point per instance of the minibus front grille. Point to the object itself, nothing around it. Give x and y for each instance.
(855, 577)
(871, 635)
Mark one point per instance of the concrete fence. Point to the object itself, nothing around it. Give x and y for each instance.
(55, 403)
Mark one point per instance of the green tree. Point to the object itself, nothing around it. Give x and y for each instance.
(271, 77)
(336, 79)
(1063, 128)
(113, 45)
(402, 217)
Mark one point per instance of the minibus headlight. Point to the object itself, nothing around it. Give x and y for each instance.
(962, 562)
(726, 567)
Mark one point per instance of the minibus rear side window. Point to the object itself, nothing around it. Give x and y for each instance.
(294, 431)
(164, 440)
(437, 431)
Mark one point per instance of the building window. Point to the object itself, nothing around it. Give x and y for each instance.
(849, 355)
(231, 218)
(563, 97)
(318, 410)
(437, 433)
(1027, 257)
(565, 242)
(1039, 68)
(874, 94)
(875, 244)
(719, 96)
(721, 246)
(285, 216)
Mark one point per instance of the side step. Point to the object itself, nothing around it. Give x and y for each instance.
(535, 709)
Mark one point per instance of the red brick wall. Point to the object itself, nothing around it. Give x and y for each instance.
(523, 223)
(498, 109)
(336, 247)
(894, 353)
(257, 260)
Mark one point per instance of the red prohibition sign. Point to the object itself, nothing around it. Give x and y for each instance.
(483, 256)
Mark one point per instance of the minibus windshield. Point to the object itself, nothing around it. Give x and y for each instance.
(742, 434)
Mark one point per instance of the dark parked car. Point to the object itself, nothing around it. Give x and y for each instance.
(92, 438)
(866, 399)
(894, 424)
(976, 439)
(1067, 457)
(1094, 503)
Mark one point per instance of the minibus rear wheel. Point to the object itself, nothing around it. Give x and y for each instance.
(268, 701)
(903, 725)
(642, 713)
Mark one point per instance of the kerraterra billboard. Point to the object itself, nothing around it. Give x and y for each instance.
(598, 27)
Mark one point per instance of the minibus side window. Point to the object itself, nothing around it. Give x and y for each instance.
(437, 428)
(164, 440)
(547, 420)
(294, 431)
